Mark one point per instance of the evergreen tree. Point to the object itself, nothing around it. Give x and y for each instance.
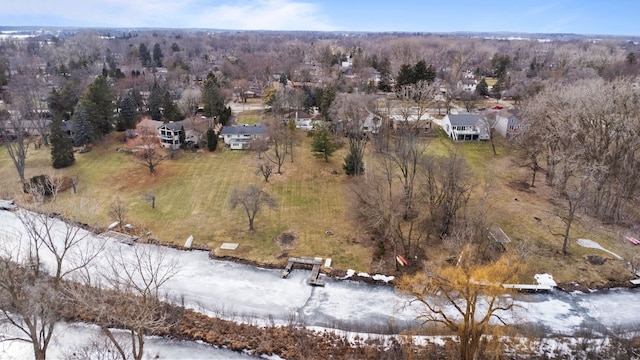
(323, 145)
(213, 100)
(501, 64)
(82, 127)
(145, 55)
(182, 137)
(354, 161)
(496, 91)
(482, 88)
(384, 68)
(225, 116)
(405, 76)
(61, 146)
(155, 102)
(128, 112)
(170, 109)
(422, 72)
(328, 95)
(98, 103)
(157, 55)
(63, 101)
(212, 140)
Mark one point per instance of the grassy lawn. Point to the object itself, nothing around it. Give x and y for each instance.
(191, 194)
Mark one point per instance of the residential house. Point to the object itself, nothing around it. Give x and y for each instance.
(371, 124)
(467, 84)
(169, 134)
(240, 137)
(464, 127)
(302, 119)
(148, 126)
(506, 123)
(419, 122)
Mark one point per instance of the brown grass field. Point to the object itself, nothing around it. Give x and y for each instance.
(191, 194)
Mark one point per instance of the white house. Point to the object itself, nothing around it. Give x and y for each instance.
(239, 137)
(464, 127)
(506, 124)
(467, 84)
(371, 124)
(169, 134)
(302, 119)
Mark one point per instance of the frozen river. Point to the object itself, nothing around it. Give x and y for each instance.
(256, 295)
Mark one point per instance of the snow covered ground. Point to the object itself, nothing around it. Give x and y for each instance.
(70, 338)
(261, 296)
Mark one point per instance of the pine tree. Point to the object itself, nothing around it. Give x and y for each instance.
(212, 140)
(182, 137)
(323, 145)
(98, 103)
(405, 76)
(145, 55)
(82, 127)
(128, 112)
(157, 55)
(482, 88)
(212, 98)
(155, 102)
(61, 146)
(170, 109)
(354, 161)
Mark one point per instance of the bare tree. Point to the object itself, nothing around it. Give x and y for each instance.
(575, 199)
(588, 129)
(487, 125)
(464, 297)
(278, 141)
(34, 269)
(349, 112)
(16, 141)
(252, 199)
(447, 184)
(133, 299)
(98, 348)
(265, 169)
(469, 99)
(29, 93)
(189, 100)
(146, 148)
(118, 211)
(259, 145)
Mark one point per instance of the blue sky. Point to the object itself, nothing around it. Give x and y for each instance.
(613, 17)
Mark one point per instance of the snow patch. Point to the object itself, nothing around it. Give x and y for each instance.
(384, 278)
(545, 279)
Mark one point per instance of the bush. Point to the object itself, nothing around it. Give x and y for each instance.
(40, 184)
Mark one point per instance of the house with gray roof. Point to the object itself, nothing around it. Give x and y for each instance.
(240, 137)
(464, 127)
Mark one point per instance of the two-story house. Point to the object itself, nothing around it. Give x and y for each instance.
(240, 137)
(169, 134)
(464, 127)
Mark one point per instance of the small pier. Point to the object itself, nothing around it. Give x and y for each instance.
(528, 288)
(315, 271)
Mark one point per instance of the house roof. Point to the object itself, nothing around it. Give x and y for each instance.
(299, 115)
(150, 124)
(463, 119)
(174, 126)
(246, 130)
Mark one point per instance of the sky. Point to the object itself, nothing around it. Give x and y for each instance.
(588, 17)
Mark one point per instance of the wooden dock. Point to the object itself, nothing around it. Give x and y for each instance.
(528, 287)
(315, 271)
